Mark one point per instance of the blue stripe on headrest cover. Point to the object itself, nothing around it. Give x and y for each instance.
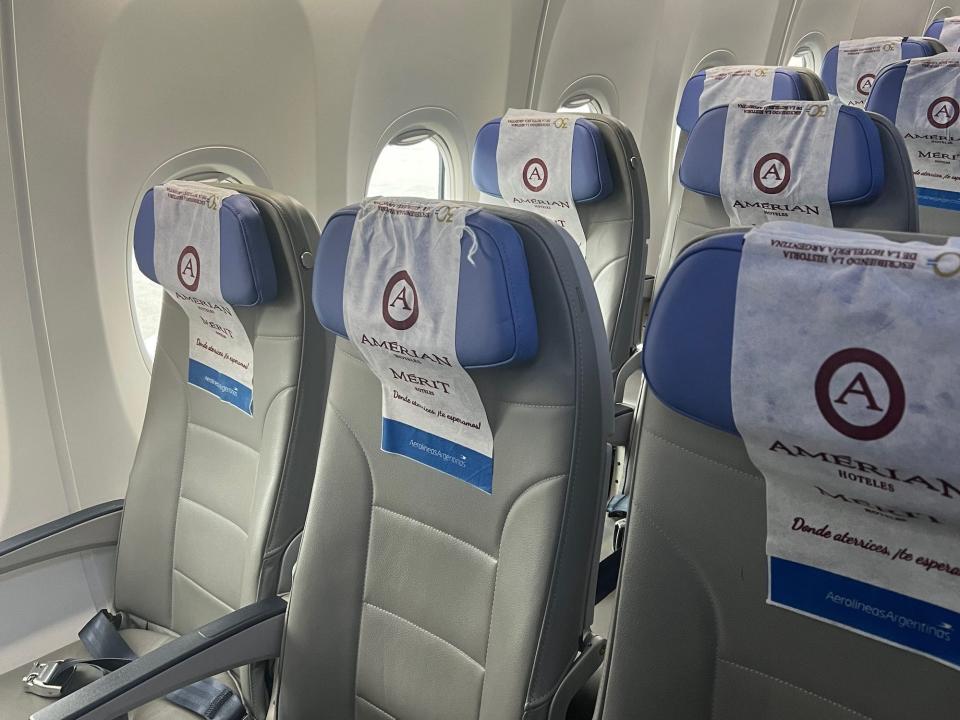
(856, 166)
(496, 322)
(590, 168)
(247, 273)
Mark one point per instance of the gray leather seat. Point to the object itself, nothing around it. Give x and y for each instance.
(698, 208)
(416, 594)
(216, 496)
(610, 191)
(693, 635)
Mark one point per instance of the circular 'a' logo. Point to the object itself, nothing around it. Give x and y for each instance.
(535, 174)
(865, 83)
(188, 268)
(771, 174)
(860, 394)
(401, 306)
(943, 112)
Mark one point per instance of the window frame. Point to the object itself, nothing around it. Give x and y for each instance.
(415, 136)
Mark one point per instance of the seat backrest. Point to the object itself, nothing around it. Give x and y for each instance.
(693, 630)
(787, 84)
(925, 110)
(216, 495)
(947, 31)
(420, 595)
(901, 48)
(610, 192)
(870, 181)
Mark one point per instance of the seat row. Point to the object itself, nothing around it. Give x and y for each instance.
(423, 476)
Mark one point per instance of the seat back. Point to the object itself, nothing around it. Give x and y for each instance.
(610, 192)
(692, 630)
(925, 111)
(687, 218)
(947, 31)
(216, 495)
(421, 595)
(884, 50)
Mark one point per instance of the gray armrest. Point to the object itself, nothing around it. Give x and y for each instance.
(244, 636)
(93, 527)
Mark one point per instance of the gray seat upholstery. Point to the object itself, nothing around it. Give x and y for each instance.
(418, 596)
(693, 636)
(215, 496)
(616, 226)
(693, 213)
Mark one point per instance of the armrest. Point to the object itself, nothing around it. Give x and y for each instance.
(244, 636)
(92, 527)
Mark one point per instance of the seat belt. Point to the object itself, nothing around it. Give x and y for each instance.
(209, 698)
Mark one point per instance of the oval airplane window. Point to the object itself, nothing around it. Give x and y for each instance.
(146, 296)
(582, 103)
(413, 164)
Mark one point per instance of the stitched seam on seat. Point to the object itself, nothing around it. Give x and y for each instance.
(827, 700)
(606, 266)
(376, 707)
(214, 431)
(214, 512)
(426, 632)
(534, 405)
(200, 587)
(436, 529)
(496, 577)
(710, 460)
(363, 592)
(648, 520)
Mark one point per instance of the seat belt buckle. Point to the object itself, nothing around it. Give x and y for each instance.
(38, 680)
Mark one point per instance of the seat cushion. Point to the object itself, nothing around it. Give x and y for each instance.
(15, 704)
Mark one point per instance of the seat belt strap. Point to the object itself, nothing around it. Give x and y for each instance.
(209, 698)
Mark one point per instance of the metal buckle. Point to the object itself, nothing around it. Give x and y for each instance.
(37, 681)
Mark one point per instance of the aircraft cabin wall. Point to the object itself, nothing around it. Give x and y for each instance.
(104, 98)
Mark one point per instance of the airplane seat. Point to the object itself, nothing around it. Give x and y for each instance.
(935, 30)
(870, 182)
(693, 637)
(216, 495)
(419, 594)
(910, 47)
(610, 193)
(925, 135)
(788, 84)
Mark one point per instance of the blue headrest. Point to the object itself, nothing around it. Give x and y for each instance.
(590, 169)
(689, 344)
(247, 273)
(496, 322)
(856, 167)
(912, 47)
(885, 95)
(788, 84)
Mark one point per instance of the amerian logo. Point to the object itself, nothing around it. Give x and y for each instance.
(188, 268)
(535, 174)
(943, 112)
(857, 383)
(865, 83)
(401, 305)
(771, 174)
